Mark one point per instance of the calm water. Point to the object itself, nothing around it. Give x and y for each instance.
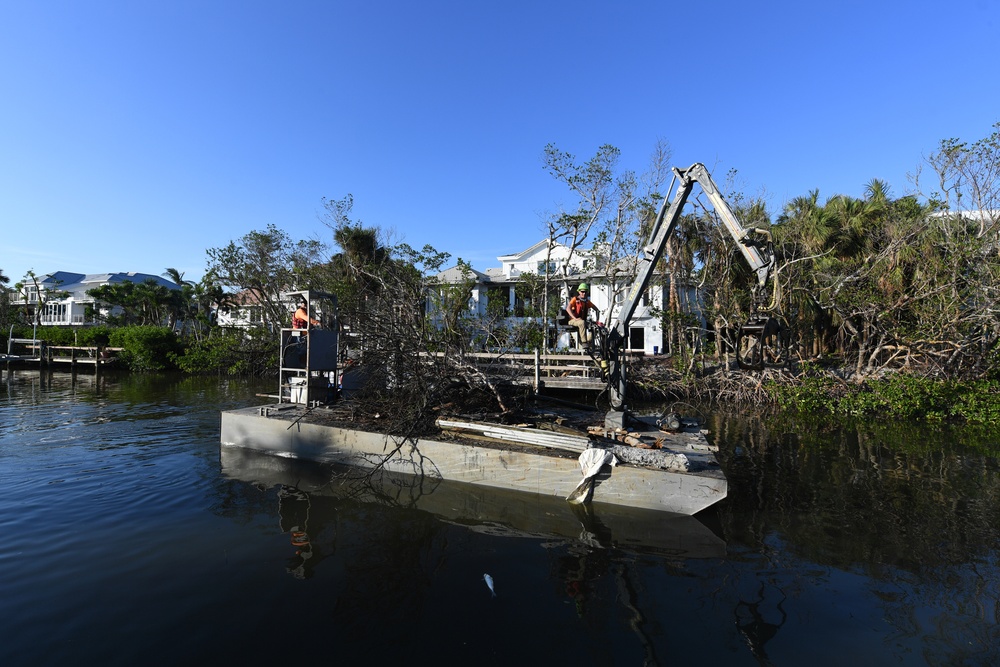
(129, 539)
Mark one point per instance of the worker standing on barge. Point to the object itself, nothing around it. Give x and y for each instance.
(578, 308)
(301, 319)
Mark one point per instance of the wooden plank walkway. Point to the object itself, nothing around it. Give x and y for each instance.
(539, 370)
(32, 351)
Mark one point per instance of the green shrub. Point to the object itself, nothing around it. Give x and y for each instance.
(100, 336)
(66, 335)
(252, 352)
(897, 397)
(51, 335)
(811, 395)
(145, 348)
(901, 396)
(980, 402)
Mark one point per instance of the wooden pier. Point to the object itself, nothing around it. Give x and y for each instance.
(544, 370)
(31, 352)
(82, 355)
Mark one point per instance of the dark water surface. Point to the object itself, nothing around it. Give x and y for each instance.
(128, 539)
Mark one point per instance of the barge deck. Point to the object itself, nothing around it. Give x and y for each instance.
(669, 472)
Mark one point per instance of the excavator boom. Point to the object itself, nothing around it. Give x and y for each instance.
(754, 245)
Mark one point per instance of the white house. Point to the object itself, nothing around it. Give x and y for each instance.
(243, 312)
(565, 272)
(63, 295)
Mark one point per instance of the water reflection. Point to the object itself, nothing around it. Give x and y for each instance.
(168, 390)
(397, 535)
(479, 510)
(904, 496)
(902, 516)
(294, 507)
(758, 620)
(857, 544)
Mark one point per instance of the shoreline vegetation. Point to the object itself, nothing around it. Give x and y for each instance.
(808, 388)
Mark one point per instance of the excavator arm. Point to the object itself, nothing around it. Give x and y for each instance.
(755, 246)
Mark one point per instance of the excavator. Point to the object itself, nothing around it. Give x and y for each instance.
(762, 341)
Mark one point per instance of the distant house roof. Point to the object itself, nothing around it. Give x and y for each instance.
(79, 283)
(247, 297)
(988, 215)
(60, 278)
(513, 257)
(456, 274)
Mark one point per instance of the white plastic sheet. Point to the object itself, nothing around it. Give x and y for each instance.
(591, 462)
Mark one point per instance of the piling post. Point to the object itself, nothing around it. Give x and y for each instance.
(538, 369)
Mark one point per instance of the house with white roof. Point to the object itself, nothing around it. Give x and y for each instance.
(62, 296)
(565, 271)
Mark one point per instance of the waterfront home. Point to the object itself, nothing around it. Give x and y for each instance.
(503, 294)
(61, 298)
(243, 310)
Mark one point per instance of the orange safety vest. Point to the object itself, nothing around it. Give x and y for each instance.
(298, 322)
(579, 307)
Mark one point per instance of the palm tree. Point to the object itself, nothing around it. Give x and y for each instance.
(354, 268)
(807, 224)
(181, 302)
(153, 299)
(176, 277)
(4, 300)
(360, 246)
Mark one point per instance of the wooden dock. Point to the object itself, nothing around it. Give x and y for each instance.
(32, 352)
(84, 355)
(544, 370)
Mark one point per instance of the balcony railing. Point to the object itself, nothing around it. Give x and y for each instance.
(53, 320)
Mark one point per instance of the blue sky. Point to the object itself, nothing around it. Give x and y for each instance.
(134, 135)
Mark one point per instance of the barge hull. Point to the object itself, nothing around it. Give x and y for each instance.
(541, 473)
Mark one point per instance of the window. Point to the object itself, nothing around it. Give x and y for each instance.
(498, 301)
(522, 305)
(54, 313)
(543, 270)
(636, 338)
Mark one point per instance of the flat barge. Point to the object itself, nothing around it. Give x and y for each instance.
(635, 465)
(671, 472)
